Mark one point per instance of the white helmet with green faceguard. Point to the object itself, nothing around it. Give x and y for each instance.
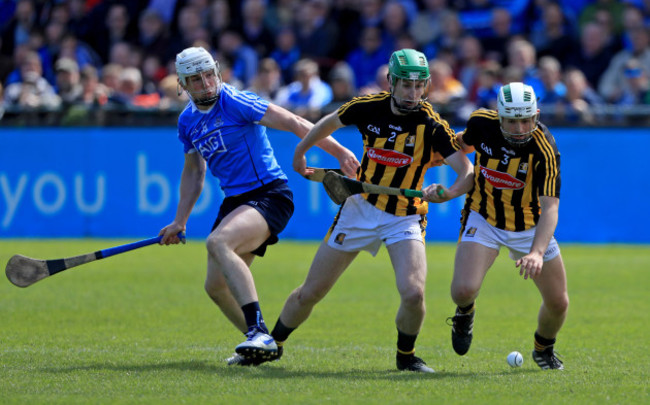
(517, 101)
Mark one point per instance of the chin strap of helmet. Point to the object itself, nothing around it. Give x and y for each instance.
(518, 142)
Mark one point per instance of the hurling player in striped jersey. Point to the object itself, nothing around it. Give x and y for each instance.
(513, 204)
(224, 130)
(403, 137)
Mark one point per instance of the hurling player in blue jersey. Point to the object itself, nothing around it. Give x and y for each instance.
(225, 130)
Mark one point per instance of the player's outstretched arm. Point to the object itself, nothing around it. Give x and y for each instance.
(279, 118)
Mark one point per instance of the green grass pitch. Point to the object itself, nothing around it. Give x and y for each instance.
(138, 328)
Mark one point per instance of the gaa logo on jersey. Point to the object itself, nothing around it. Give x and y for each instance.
(501, 180)
(471, 232)
(389, 157)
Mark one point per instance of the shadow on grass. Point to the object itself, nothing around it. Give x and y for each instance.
(276, 371)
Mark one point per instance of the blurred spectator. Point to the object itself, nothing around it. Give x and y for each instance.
(253, 28)
(632, 19)
(554, 37)
(613, 7)
(243, 59)
(426, 25)
(116, 29)
(60, 13)
(129, 93)
(33, 91)
(219, 19)
(54, 33)
(20, 52)
(488, 85)
(593, 56)
(613, 83)
(638, 86)
(78, 22)
(511, 74)
(125, 55)
(470, 59)
(153, 36)
(110, 77)
(495, 44)
(449, 38)
(316, 34)
(68, 81)
(370, 54)
(550, 73)
(370, 13)
(94, 93)
(172, 98)
(190, 29)
(286, 53)
(395, 22)
(73, 48)
(280, 14)
(405, 41)
(153, 71)
(18, 30)
(308, 94)
(268, 80)
(581, 101)
(445, 92)
(341, 79)
(521, 54)
(380, 83)
(604, 18)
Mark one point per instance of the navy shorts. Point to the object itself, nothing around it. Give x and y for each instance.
(273, 200)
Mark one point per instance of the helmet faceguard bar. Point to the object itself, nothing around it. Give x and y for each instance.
(408, 65)
(197, 61)
(517, 101)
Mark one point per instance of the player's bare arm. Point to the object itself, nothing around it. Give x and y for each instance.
(531, 264)
(192, 178)
(321, 131)
(464, 180)
(279, 118)
(464, 147)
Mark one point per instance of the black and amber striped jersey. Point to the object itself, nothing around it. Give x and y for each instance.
(398, 149)
(508, 180)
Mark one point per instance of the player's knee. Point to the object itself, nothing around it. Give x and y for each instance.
(413, 297)
(558, 305)
(463, 293)
(308, 297)
(216, 245)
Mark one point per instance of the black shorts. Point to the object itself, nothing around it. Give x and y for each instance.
(273, 200)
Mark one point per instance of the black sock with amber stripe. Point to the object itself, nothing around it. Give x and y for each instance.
(542, 343)
(405, 344)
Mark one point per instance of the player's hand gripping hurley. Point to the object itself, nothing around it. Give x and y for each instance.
(24, 271)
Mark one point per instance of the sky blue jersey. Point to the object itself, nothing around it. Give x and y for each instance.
(230, 139)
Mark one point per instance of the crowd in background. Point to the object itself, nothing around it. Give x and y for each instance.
(310, 56)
